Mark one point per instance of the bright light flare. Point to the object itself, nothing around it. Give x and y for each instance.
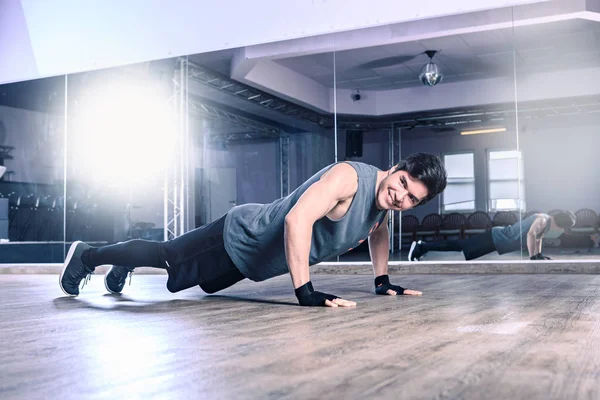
(125, 133)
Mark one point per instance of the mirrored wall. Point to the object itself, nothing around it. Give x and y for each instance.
(32, 171)
(153, 150)
(558, 114)
(451, 95)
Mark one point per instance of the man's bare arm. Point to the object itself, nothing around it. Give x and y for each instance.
(379, 249)
(534, 241)
(339, 184)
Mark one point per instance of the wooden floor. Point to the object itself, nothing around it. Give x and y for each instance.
(468, 337)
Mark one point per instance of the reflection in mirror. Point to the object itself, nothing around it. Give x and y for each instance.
(449, 95)
(263, 128)
(558, 132)
(158, 149)
(32, 128)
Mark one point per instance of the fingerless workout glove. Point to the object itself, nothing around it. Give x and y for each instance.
(308, 297)
(382, 285)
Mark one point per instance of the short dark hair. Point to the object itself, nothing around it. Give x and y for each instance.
(428, 169)
(564, 219)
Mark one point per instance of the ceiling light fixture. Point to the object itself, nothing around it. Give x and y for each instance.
(477, 132)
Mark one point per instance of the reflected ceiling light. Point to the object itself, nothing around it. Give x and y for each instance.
(430, 75)
(477, 132)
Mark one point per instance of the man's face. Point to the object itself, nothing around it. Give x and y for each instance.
(400, 191)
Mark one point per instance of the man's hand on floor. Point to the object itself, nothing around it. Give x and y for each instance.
(308, 296)
(407, 292)
(383, 286)
(340, 303)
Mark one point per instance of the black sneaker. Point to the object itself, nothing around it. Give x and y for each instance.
(115, 278)
(74, 271)
(416, 251)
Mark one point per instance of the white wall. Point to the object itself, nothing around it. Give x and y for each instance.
(68, 36)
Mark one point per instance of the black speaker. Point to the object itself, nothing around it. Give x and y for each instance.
(354, 143)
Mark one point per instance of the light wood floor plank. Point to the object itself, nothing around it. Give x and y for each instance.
(468, 337)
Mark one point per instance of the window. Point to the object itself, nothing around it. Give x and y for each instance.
(459, 194)
(506, 185)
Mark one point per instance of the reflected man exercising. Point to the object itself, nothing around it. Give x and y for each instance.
(529, 231)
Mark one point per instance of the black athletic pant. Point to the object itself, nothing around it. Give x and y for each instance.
(195, 258)
(473, 247)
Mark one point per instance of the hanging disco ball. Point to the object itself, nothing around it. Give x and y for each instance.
(430, 75)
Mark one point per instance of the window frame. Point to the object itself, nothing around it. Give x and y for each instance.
(442, 202)
(522, 200)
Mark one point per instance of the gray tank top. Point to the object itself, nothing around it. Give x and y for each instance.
(253, 233)
(511, 238)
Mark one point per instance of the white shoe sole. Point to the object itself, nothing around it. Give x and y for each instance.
(67, 261)
(412, 248)
(106, 285)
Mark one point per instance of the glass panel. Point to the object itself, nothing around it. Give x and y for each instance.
(558, 129)
(32, 128)
(508, 189)
(120, 141)
(459, 166)
(369, 146)
(460, 190)
(262, 126)
(506, 182)
(458, 195)
(450, 95)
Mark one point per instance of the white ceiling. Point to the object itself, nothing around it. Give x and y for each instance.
(552, 46)
(219, 61)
